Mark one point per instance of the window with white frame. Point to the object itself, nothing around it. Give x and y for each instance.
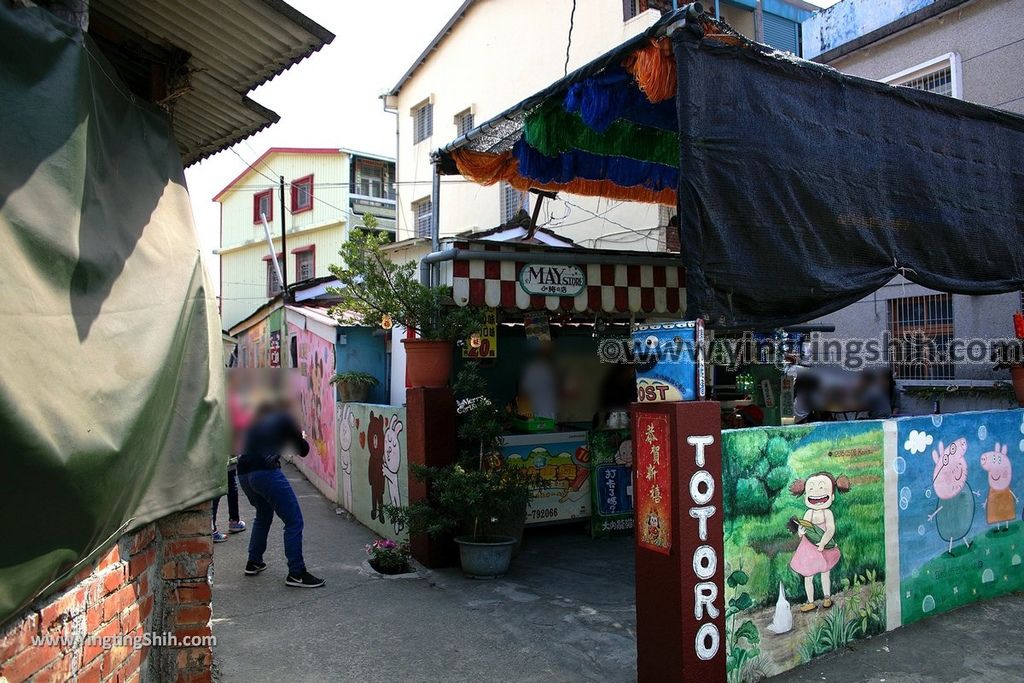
(512, 202)
(422, 214)
(463, 122)
(941, 75)
(305, 263)
(920, 330)
(422, 121)
(369, 178)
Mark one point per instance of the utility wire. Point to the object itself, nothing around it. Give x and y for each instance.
(572, 20)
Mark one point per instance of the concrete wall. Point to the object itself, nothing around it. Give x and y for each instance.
(154, 581)
(316, 397)
(926, 517)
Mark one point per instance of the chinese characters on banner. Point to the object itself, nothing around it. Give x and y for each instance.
(653, 491)
(275, 349)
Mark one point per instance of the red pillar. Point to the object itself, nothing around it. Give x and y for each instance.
(430, 419)
(680, 571)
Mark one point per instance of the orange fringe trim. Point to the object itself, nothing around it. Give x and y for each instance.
(487, 169)
(654, 68)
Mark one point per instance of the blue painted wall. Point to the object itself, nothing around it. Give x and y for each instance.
(363, 351)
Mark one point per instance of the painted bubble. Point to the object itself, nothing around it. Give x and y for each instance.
(988, 576)
(1015, 560)
(928, 604)
(927, 493)
(904, 497)
(1021, 444)
(982, 433)
(920, 529)
(937, 420)
(899, 465)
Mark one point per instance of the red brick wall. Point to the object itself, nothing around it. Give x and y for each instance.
(153, 581)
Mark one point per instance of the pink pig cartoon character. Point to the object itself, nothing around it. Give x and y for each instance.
(954, 510)
(1001, 505)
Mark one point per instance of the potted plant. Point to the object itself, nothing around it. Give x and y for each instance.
(354, 386)
(478, 501)
(382, 292)
(388, 557)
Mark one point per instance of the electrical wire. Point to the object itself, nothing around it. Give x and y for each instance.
(572, 20)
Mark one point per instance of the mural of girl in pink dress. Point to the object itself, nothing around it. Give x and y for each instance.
(817, 553)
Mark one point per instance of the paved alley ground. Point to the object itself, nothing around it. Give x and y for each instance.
(564, 613)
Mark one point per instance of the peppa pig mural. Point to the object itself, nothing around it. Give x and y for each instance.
(960, 533)
(315, 361)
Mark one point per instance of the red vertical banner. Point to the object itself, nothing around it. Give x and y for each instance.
(653, 488)
(680, 577)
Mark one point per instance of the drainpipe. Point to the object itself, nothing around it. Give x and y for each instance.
(428, 274)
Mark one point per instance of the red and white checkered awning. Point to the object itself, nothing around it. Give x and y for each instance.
(645, 283)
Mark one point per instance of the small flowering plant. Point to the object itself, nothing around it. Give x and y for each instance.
(389, 557)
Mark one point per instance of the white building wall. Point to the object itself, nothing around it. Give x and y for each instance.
(243, 243)
(485, 63)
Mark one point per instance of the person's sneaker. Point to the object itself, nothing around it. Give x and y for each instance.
(219, 537)
(303, 580)
(235, 527)
(254, 568)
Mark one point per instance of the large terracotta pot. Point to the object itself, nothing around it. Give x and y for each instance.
(428, 362)
(1017, 373)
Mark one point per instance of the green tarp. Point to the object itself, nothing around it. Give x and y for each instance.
(111, 379)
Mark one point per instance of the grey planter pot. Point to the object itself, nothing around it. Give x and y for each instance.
(487, 557)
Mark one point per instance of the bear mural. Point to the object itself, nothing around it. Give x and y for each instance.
(374, 466)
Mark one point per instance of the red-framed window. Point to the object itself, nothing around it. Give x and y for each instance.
(273, 282)
(302, 194)
(263, 202)
(305, 262)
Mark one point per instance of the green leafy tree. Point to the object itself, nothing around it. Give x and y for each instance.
(375, 288)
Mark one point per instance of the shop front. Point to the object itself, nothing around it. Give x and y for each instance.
(553, 355)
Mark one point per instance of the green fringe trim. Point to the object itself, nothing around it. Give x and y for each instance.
(551, 130)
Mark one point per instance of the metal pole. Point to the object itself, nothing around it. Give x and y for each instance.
(284, 280)
(435, 225)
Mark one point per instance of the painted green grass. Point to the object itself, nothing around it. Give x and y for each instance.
(762, 546)
(990, 568)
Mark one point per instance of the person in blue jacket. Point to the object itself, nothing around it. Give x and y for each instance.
(272, 432)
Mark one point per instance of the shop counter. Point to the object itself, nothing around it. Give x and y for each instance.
(562, 463)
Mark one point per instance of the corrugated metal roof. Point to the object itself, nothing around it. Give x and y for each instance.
(234, 46)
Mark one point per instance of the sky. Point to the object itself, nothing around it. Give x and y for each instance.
(330, 99)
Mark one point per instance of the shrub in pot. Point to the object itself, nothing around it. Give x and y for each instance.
(478, 501)
(354, 386)
(381, 292)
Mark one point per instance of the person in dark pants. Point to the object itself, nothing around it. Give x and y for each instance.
(273, 431)
(235, 525)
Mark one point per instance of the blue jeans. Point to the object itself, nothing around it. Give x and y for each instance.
(270, 492)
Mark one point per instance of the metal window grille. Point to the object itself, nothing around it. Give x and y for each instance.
(422, 216)
(939, 82)
(463, 122)
(304, 265)
(422, 122)
(512, 201)
(273, 282)
(920, 330)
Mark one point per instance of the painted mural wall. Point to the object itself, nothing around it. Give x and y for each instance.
(839, 531)
(372, 463)
(315, 367)
(804, 543)
(960, 478)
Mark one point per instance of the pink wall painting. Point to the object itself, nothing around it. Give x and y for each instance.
(316, 402)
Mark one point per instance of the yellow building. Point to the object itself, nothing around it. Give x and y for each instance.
(326, 193)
